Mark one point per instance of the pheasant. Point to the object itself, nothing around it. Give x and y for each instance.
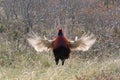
(61, 46)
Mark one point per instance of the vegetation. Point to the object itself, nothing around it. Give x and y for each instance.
(18, 18)
(31, 66)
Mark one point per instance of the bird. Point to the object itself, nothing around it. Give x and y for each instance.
(61, 46)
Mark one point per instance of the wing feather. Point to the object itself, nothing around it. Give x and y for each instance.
(84, 43)
(40, 44)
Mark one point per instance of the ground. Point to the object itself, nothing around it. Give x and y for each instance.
(31, 66)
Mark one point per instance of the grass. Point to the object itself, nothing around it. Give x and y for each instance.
(27, 65)
(30, 66)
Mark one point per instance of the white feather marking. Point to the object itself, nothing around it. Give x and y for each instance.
(76, 38)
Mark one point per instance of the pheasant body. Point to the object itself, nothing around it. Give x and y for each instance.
(61, 49)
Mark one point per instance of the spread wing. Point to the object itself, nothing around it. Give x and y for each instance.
(40, 44)
(84, 43)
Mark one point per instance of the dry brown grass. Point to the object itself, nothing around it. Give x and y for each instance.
(30, 66)
(26, 65)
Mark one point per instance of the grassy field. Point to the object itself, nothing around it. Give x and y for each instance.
(19, 18)
(31, 66)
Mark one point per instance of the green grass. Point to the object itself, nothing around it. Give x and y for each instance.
(31, 66)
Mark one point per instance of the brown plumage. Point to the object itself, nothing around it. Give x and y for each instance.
(61, 46)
